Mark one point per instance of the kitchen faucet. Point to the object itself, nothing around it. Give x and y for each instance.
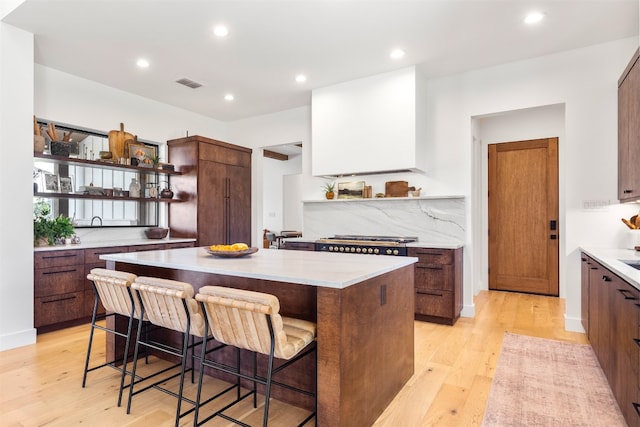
(98, 218)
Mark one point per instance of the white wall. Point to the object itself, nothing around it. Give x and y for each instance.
(585, 81)
(273, 191)
(16, 143)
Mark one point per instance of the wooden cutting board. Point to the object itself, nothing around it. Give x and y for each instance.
(117, 142)
(396, 189)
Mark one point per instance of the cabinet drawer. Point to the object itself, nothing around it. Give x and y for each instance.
(434, 303)
(432, 256)
(434, 276)
(151, 247)
(179, 245)
(58, 308)
(93, 255)
(58, 280)
(48, 259)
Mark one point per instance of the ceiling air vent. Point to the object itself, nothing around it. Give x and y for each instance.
(189, 83)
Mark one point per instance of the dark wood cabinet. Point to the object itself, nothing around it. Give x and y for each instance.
(438, 284)
(614, 334)
(629, 132)
(59, 286)
(62, 294)
(215, 187)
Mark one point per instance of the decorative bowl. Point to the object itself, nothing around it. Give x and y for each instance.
(156, 232)
(232, 254)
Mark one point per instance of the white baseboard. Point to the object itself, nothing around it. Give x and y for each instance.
(573, 324)
(468, 311)
(18, 339)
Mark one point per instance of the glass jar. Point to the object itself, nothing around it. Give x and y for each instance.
(134, 188)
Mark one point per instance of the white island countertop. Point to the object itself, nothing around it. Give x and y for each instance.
(323, 269)
(613, 260)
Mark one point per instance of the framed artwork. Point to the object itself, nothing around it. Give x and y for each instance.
(51, 184)
(66, 184)
(144, 154)
(351, 190)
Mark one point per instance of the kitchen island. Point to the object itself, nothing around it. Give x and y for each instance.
(363, 307)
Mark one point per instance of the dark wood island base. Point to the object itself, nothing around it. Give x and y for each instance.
(365, 336)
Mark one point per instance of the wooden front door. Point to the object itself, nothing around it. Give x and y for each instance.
(523, 216)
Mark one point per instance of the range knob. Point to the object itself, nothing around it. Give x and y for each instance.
(388, 251)
(370, 250)
(341, 248)
(376, 251)
(330, 248)
(396, 252)
(358, 249)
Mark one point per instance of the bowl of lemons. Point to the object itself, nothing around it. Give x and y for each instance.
(231, 251)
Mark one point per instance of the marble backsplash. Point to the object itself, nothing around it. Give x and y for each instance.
(430, 219)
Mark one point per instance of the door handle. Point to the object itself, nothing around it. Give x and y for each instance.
(553, 237)
(553, 225)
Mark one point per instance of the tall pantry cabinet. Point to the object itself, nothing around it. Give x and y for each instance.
(629, 132)
(215, 187)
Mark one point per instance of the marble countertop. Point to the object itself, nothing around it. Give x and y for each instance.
(323, 269)
(611, 258)
(112, 243)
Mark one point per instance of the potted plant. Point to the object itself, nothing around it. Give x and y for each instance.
(329, 190)
(47, 231)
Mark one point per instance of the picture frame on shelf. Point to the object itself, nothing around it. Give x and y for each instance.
(51, 183)
(66, 184)
(144, 154)
(351, 190)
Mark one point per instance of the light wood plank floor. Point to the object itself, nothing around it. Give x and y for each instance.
(40, 384)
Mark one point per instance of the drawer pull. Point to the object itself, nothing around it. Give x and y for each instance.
(637, 341)
(58, 300)
(437, 294)
(636, 406)
(60, 272)
(59, 256)
(606, 278)
(429, 267)
(627, 294)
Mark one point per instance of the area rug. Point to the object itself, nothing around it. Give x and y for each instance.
(542, 382)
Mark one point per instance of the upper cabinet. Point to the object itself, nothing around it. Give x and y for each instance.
(370, 125)
(629, 132)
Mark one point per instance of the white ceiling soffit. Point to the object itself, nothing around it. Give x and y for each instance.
(270, 42)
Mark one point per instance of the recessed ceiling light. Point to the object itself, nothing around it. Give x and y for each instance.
(397, 53)
(142, 63)
(301, 78)
(533, 18)
(220, 31)
(228, 97)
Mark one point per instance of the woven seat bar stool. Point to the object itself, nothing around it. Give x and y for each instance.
(112, 289)
(168, 304)
(251, 321)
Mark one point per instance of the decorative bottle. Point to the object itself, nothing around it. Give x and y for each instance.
(134, 188)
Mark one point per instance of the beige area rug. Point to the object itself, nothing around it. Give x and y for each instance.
(541, 382)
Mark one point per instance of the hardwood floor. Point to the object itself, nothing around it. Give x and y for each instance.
(40, 384)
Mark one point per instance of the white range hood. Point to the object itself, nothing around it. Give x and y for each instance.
(370, 125)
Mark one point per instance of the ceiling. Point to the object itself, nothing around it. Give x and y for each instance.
(270, 42)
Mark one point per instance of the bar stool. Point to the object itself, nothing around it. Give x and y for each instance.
(168, 304)
(251, 321)
(113, 289)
